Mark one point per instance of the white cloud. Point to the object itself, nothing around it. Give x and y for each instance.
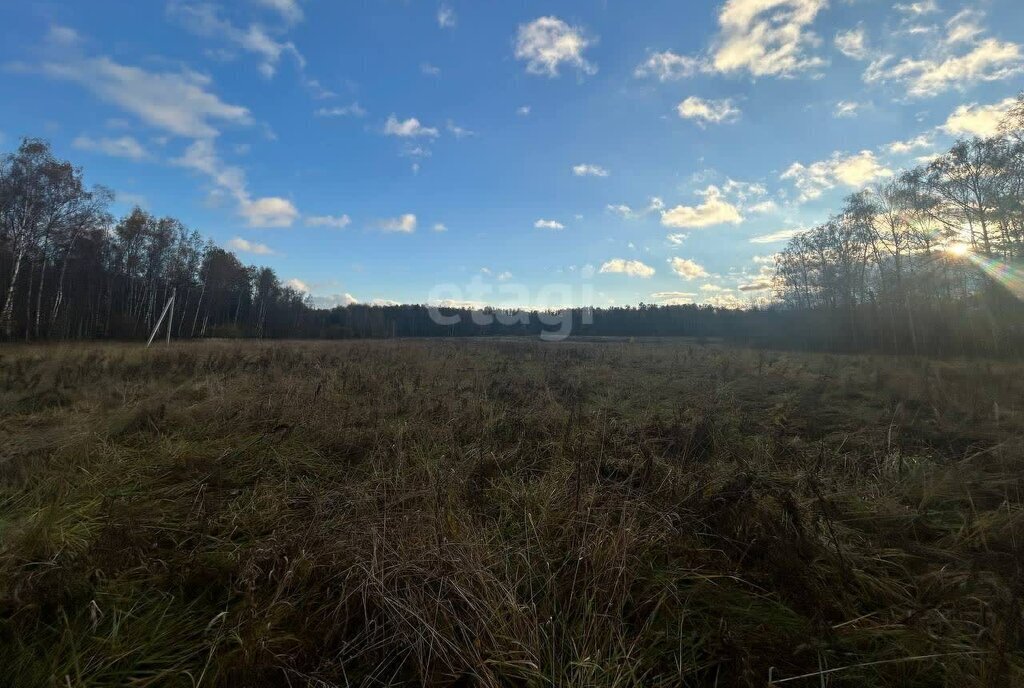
(353, 110)
(855, 171)
(176, 102)
(668, 66)
(654, 205)
(334, 301)
(903, 147)
(852, 43)
(298, 285)
(459, 132)
(548, 224)
(269, 211)
(241, 245)
(978, 120)
(715, 210)
(729, 301)
(674, 298)
(756, 285)
(763, 207)
(585, 170)
(289, 10)
(677, 238)
(439, 227)
(409, 128)
(988, 60)
(846, 108)
(204, 20)
(63, 36)
(446, 18)
(504, 276)
(708, 111)
(405, 224)
(780, 235)
(964, 27)
(713, 288)
(917, 8)
(333, 221)
(633, 268)
(429, 69)
(121, 147)
(686, 268)
(766, 37)
(548, 42)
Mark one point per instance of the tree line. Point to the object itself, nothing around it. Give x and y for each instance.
(69, 270)
(924, 263)
(929, 261)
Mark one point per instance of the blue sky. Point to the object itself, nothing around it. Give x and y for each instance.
(519, 153)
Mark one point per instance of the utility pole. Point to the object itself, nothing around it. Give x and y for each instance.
(169, 307)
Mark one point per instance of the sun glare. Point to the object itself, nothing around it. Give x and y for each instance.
(958, 249)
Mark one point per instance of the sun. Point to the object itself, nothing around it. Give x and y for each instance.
(958, 249)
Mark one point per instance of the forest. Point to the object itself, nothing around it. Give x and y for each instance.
(924, 263)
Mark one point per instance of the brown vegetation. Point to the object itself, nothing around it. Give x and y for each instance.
(507, 513)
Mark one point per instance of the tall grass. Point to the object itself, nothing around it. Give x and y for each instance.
(507, 513)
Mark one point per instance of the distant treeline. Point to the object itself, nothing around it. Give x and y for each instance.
(926, 263)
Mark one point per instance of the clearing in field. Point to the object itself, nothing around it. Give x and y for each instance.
(507, 513)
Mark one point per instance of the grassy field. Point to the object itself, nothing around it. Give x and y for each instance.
(507, 513)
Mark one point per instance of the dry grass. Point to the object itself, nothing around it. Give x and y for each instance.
(507, 513)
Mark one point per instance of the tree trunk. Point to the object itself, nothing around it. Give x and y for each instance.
(7, 315)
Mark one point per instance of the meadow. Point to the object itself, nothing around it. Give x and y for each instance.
(507, 513)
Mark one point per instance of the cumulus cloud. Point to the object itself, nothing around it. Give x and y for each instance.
(333, 221)
(334, 301)
(766, 37)
(408, 128)
(270, 211)
(548, 224)
(855, 171)
(523, 110)
(668, 66)
(708, 111)
(633, 268)
(978, 120)
(439, 227)
(686, 268)
(584, 170)
(404, 224)
(120, 147)
(242, 246)
(715, 210)
(547, 43)
(852, 43)
(904, 147)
